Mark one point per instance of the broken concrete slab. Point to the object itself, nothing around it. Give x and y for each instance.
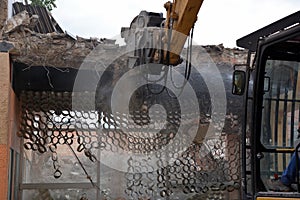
(5, 46)
(22, 19)
(53, 49)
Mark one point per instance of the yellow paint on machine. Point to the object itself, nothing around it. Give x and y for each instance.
(276, 198)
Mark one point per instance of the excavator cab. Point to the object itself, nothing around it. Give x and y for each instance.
(271, 87)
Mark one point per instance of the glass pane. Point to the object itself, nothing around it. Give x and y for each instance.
(42, 194)
(272, 165)
(281, 104)
(40, 168)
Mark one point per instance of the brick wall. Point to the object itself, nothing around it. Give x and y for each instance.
(3, 12)
(4, 123)
(4, 97)
(3, 171)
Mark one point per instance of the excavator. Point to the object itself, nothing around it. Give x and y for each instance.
(178, 24)
(270, 85)
(156, 44)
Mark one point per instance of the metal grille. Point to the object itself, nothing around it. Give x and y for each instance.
(209, 169)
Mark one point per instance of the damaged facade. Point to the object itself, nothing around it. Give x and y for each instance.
(38, 54)
(4, 12)
(39, 46)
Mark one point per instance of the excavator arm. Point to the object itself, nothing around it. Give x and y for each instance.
(181, 16)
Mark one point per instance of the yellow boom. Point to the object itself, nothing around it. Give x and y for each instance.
(181, 17)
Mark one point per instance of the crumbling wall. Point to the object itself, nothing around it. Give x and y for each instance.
(220, 54)
(52, 49)
(63, 50)
(3, 12)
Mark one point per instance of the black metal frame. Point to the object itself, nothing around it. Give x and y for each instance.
(257, 42)
(244, 137)
(258, 107)
(250, 41)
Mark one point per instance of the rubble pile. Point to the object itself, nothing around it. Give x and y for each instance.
(63, 50)
(220, 54)
(51, 49)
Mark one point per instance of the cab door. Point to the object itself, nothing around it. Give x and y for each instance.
(276, 116)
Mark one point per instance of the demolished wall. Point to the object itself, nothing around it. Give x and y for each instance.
(62, 50)
(3, 12)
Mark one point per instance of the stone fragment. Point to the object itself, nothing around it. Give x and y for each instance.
(21, 19)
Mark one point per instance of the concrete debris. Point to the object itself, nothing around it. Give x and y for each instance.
(63, 50)
(51, 49)
(22, 19)
(45, 24)
(108, 41)
(5, 47)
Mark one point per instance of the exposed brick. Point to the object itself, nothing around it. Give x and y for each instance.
(3, 12)
(4, 122)
(3, 171)
(14, 141)
(4, 97)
